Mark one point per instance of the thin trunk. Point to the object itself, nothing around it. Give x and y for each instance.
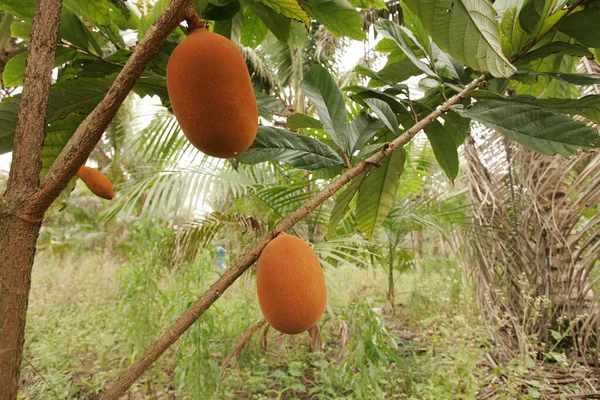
(19, 223)
(391, 285)
(417, 241)
(17, 249)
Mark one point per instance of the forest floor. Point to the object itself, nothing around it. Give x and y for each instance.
(90, 316)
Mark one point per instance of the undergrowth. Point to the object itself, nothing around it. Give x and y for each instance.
(91, 315)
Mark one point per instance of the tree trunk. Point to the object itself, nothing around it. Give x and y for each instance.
(17, 249)
(417, 242)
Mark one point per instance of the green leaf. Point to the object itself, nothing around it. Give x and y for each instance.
(458, 127)
(341, 204)
(575, 79)
(512, 36)
(535, 128)
(385, 114)
(361, 93)
(288, 8)
(532, 15)
(57, 136)
(23, 9)
(149, 19)
(268, 105)
(254, 30)
(274, 144)
(61, 103)
(299, 121)
(362, 129)
(377, 193)
(321, 89)
(339, 17)
(278, 24)
(467, 29)
(582, 26)
(391, 30)
(572, 49)
(588, 106)
(15, 67)
(222, 12)
(444, 149)
(398, 68)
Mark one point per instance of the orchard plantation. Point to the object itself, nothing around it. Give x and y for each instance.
(299, 199)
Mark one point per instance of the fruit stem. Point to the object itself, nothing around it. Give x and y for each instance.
(193, 20)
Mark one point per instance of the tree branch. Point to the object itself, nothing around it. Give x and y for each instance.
(91, 129)
(31, 123)
(123, 382)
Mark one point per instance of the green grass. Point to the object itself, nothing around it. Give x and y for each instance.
(90, 317)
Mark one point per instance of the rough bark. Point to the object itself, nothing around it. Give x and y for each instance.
(19, 225)
(123, 382)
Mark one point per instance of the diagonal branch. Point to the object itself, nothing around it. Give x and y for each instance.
(123, 382)
(31, 123)
(91, 129)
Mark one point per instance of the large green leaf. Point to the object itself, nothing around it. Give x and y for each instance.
(575, 79)
(23, 9)
(15, 67)
(339, 17)
(321, 89)
(588, 106)
(57, 135)
(532, 15)
(385, 114)
(571, 49)
(512, 37)
(377, 193)
(62, 102)
(279, 25)
(287, 8)
(458, 127)
(268, 105)
(535, 128)
(391, 30)
(99, 13)
(444, 148)
(467, 29)
(274, 144)
(254, 29)
(361, 93)
(342, 202)
(582, 26)
(299, 121)
(222, 12)
(363, 128)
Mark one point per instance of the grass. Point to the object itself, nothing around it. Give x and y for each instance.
(90, 316)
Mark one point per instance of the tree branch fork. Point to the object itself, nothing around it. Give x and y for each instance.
(38, 195)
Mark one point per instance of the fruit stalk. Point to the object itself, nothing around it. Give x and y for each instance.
(123, 382)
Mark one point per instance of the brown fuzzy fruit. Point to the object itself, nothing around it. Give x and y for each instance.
(290, 285)
(212, 95)
(97, 182)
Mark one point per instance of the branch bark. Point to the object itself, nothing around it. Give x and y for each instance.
(19, 229)
(123, 382)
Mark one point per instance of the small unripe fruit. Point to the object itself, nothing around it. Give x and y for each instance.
(291, 286)
(211, 94)
(97, 182)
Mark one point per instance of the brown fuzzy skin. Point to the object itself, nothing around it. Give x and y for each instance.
(291, 286)
(211, 94)
(97, 182)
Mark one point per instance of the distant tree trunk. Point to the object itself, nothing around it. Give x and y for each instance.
(417, 242)
(391, 285)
